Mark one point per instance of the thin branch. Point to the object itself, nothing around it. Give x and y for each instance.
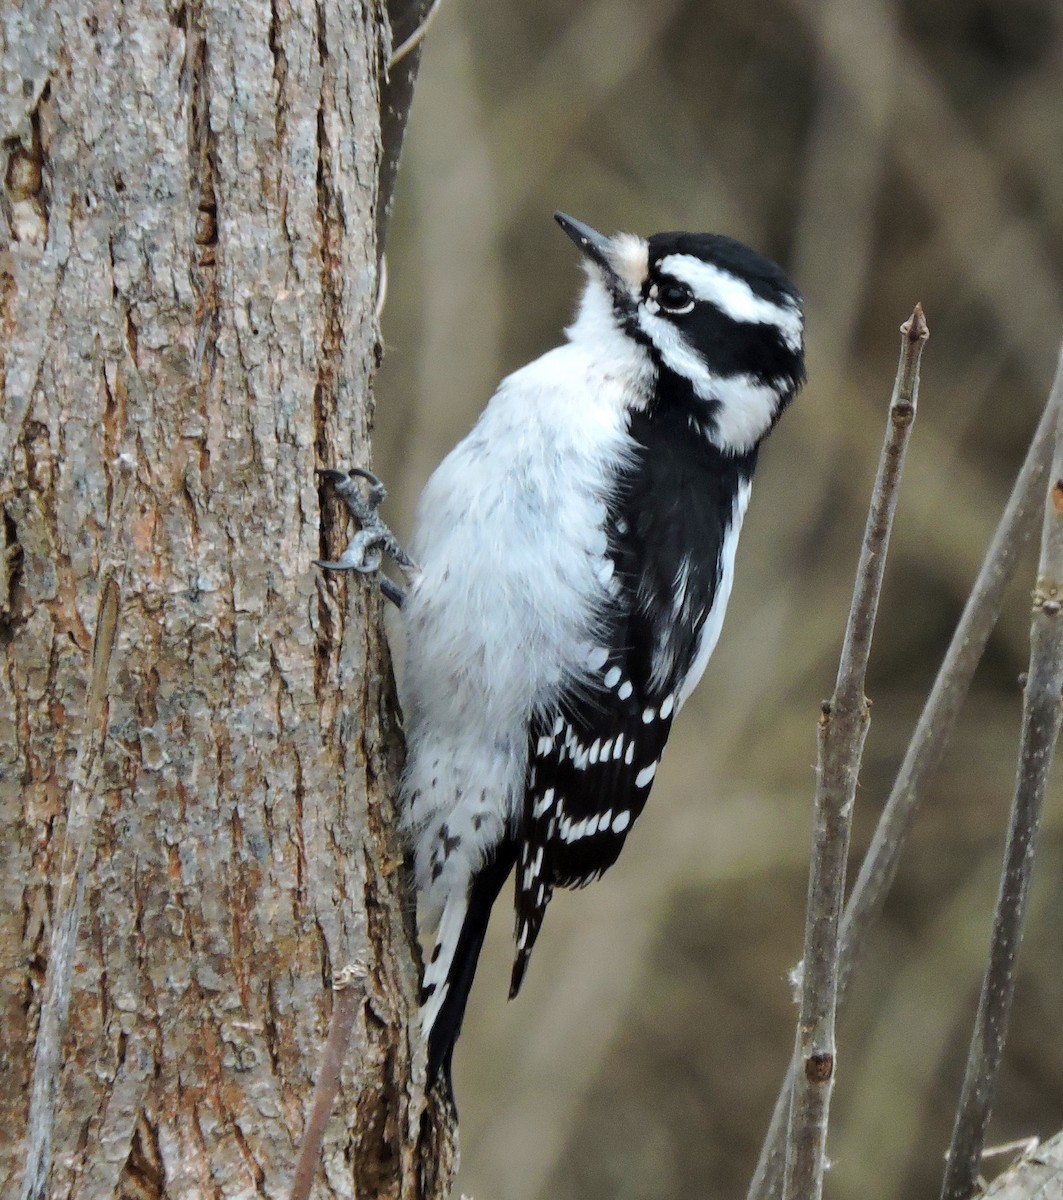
(348, 994)
(931, 736)
(415, 38)
(396, 98)
(842, 731)
(938, 718)
(1041, 718)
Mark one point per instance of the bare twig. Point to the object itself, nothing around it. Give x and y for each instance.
(348, 993)
(396, 99)
(415, 38)
(927, 745)
(879, 868)
(1040, 727)
(842, 730)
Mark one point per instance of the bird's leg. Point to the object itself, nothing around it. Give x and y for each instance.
(365, 551)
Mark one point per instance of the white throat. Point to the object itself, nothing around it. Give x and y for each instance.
(598, 332)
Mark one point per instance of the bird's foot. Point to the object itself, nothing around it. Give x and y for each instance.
(365, 551)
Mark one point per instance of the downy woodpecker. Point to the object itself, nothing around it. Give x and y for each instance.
(574, 556)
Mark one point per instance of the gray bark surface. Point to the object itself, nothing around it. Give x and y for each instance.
(1038, 1175)
(187, 303)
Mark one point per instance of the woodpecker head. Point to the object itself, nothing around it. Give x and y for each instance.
(719, 326)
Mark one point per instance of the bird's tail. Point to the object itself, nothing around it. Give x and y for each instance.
(450, 971)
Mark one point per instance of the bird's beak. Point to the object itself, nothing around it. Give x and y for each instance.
(593, 244)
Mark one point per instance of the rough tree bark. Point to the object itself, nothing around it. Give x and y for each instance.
(191, 194)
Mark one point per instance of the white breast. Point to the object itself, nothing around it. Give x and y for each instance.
(509, 535)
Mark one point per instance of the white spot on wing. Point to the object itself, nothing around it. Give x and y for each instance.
(597, 658)
(621, 821)
(643, 778)
(544, 803)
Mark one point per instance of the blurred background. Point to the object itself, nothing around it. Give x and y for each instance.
(884, 153)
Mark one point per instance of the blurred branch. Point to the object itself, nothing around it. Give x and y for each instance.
(842, 732)
(415, 38)
(938, 718)
(452, 234)
(928, 743)
(842, 170)
(993, 240)
(536, 121)
(921, 1000)
(408, 20)
(1042, 714)
(348, 993)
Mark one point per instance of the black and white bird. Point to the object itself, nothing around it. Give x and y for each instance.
(575, 554)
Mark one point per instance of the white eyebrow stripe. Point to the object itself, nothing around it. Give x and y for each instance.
(734, 297)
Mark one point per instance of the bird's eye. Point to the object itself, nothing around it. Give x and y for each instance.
(675, 297)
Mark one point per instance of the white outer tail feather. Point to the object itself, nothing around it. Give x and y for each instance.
(438, 969)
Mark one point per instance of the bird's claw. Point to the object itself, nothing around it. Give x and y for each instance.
(365, 551)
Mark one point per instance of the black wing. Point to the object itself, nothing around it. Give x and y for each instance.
(591, 763)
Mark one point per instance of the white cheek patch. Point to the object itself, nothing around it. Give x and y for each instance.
(747, 410)
(734, 297)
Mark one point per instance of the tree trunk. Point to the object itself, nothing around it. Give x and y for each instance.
(198, 739)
